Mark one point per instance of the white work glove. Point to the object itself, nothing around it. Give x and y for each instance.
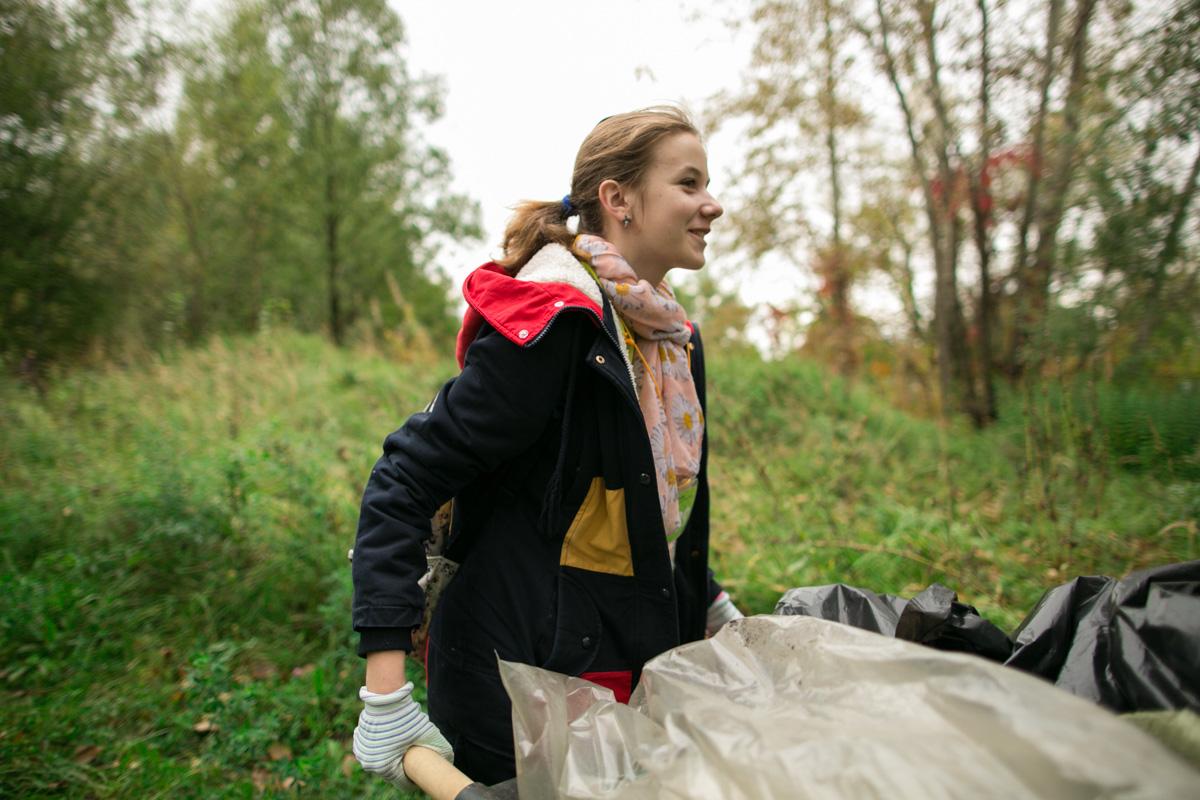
(721, 611)
(390, 724)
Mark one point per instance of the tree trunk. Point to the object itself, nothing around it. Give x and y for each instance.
(942, 328)
(195, 314)
(835, 264)
(911, 312)
(1035, 288)
(331, 260)
(829, 100)
(954, 367)
(982, 210)
(1166, 257)
(1033, 172)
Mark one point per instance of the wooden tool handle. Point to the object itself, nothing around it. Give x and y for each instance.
(440, 779)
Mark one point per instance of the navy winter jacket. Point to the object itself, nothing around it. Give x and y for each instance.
(541, 442)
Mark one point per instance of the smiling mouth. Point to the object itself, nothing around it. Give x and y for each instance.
(699, 235)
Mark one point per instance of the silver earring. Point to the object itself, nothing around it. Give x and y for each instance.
(625, 222)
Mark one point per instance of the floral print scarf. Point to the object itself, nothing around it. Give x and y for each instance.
(657, 332)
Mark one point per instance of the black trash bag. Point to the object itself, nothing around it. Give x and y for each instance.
(934, 617)
(1130, 645)
(838, 602)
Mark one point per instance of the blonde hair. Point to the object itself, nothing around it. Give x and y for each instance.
(619, 148)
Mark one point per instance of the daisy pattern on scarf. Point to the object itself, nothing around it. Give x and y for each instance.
(658, 436)
(668, 491)
(674, 362)
(632, 294)
(686, 421)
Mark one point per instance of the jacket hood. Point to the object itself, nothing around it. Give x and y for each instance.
(522, 307)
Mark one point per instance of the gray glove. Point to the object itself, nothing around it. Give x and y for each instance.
(390, 724)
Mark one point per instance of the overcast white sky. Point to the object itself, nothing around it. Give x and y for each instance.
(527, 80)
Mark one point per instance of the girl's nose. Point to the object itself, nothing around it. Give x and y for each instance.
(712, 209)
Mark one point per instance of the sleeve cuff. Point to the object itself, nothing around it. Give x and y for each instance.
(372, 640)
(721, 611)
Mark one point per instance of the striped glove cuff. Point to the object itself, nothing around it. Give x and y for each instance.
(721, 611)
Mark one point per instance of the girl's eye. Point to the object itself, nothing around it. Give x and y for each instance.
(689, 181)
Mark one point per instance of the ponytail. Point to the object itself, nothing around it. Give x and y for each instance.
(534, 225)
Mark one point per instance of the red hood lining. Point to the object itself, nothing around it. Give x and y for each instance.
(511, 306)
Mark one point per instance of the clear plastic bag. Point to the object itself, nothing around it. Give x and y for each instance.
(794, 707)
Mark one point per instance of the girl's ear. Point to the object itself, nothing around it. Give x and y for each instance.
(615, 200)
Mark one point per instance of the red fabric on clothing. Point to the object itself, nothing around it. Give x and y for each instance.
(621, 683)
(513, 306)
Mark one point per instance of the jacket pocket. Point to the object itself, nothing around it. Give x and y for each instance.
(576, 628)
(598, 539)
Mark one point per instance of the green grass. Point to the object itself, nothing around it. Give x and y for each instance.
(173, 539)
(816, 480)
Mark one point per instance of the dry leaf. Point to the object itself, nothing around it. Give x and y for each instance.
(349, 762)
(263, 670)
(279, 751)
(305, 671)
(260, 777)
(287, 782)
(206, 725)
(225, 697)
(85, 754)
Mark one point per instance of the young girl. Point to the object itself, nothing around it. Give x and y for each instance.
(573, 443)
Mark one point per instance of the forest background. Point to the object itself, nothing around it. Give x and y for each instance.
(217, 294)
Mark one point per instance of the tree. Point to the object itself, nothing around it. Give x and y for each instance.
(1056, 167)
(1142, 178)
(934, 148)
(300, 179)
(77, 81)
(372, 192)
(803, 121)
(1076, 187)
(234, 183)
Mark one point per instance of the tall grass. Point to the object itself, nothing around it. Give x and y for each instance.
(816, 480)
(174, 561)
(173, 539)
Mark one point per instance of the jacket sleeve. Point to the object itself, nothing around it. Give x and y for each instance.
(493, 411)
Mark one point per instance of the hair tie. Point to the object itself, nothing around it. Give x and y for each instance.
(568, 207)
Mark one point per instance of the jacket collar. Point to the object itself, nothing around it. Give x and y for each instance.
(521, 308)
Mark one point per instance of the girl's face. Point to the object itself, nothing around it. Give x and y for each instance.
(673, 210)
